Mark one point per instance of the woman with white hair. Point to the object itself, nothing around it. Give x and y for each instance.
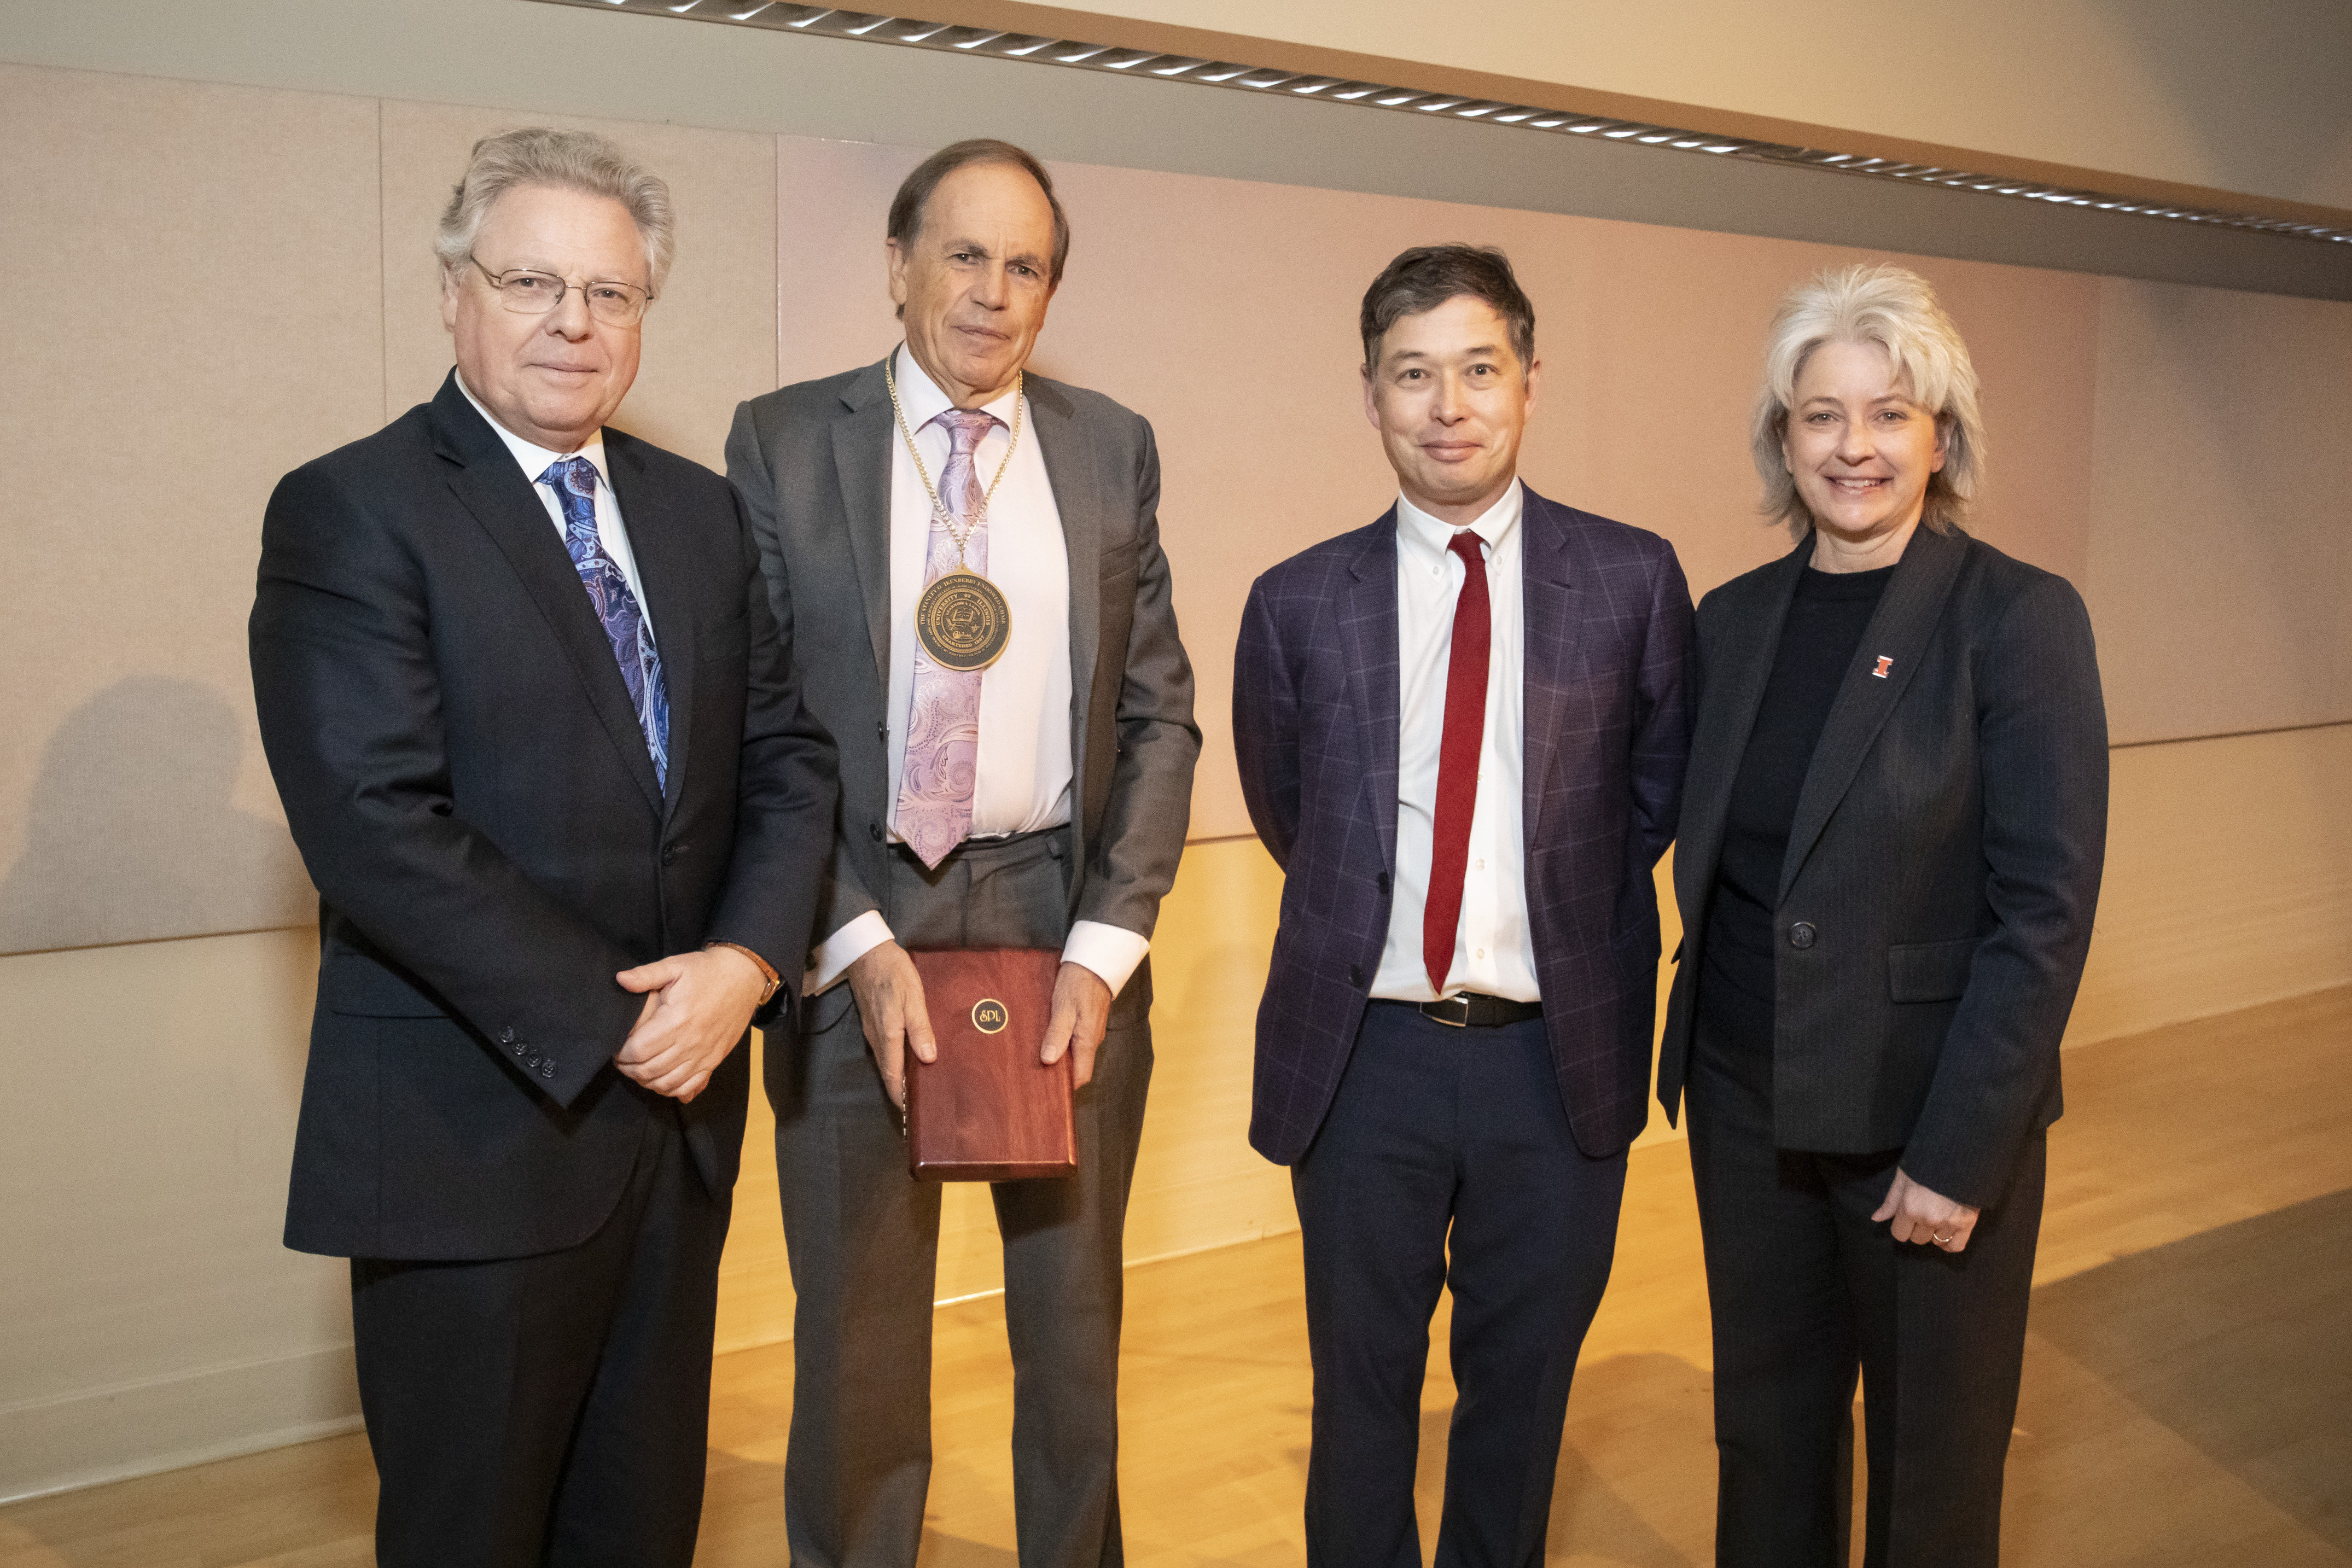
(1892, 834)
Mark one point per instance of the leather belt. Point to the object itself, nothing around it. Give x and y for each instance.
(1471, 1009)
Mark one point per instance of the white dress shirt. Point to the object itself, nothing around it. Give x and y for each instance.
(1494, 950)
(609, 526)
(1024, 768)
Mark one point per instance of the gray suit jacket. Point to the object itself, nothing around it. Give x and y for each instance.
(1943, 865)
(812, 461)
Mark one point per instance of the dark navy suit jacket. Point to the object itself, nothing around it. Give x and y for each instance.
(462, 772)
(1315, 718)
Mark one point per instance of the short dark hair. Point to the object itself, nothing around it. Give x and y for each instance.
(1427, 276)
(915, 191)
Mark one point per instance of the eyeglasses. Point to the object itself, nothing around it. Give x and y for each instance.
(529, 293)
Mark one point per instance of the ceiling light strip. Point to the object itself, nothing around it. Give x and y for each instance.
(908, 32)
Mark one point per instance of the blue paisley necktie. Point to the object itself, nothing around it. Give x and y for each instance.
(573, 480)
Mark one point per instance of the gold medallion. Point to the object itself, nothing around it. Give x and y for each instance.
(963, 621)
(990, 1016)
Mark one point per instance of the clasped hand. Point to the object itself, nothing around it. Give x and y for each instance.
(698, 1006)
(1928, 1218)
(890, 1006)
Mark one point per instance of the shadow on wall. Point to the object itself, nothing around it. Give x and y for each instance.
(131, 835)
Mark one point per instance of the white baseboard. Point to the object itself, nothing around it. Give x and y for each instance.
(128, 1429)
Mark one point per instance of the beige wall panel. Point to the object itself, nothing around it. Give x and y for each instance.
(188, 266)
(153, 1316)
(709, 341)
(833, 300)
(2220, 578)
(2229, 880)
(1239, 344)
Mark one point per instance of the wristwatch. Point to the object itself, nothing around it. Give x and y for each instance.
(766, 968)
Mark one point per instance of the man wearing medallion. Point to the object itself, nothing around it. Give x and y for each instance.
(967, 562)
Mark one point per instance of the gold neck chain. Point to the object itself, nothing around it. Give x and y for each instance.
(939, 508)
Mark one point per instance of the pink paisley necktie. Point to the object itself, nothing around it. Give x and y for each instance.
(942, 764)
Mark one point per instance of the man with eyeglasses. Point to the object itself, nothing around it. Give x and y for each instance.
(543, 753)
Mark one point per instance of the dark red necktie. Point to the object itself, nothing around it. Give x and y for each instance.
(1457, 762)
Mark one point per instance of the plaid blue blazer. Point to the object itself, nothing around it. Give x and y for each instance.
(1316, 706)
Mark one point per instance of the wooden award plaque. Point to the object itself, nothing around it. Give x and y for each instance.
(987, 1110)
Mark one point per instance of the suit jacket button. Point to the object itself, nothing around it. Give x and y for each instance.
(1355, 976)
(874, 831)
(1384, 884)
(546, 1068)
(506, 1037)
(1802, 935)
(671, 851)
(520, 1049)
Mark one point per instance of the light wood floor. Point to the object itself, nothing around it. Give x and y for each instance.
(2188, 1393)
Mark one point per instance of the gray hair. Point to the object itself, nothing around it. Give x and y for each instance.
(568, 159)
(1898, 310)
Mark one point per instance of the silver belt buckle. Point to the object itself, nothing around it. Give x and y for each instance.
(1462, 1002)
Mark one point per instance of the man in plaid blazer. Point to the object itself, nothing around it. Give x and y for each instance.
(1460, 733)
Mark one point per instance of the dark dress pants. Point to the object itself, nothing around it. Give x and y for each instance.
(1445, 1161)
(551, 1409)
(862, 1237)
(1806, 1292)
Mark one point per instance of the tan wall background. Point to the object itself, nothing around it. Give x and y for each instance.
(2164, 446)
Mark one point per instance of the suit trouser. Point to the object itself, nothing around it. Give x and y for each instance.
(1806, 1292)
(551, 1409)
(862, 1237)
(1446, 1160)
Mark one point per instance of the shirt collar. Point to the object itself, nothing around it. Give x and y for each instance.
(1429, 539)
(533, 458)
(924, 401)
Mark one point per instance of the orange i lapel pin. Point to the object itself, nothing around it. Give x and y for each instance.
(1884, 665)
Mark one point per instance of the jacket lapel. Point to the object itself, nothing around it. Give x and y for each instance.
(862, 437)
(1898, 632)
(489, 484)
(1367, 623)
(663, 571)
(1727, 702)
(1552, 624)
(1079, 500)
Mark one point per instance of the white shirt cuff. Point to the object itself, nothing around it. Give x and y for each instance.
(1110, 951)
(843, 947)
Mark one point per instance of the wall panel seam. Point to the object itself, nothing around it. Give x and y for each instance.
(382, 278)
(2230, 735)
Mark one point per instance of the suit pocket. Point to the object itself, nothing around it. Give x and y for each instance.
(722, 647)
(1929, 971)
(357, 985)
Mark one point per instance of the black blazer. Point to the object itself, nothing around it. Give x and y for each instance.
(1943, 865)
(465, 780)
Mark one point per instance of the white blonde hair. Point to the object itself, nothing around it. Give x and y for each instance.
(1898, 310)
(568, 159)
